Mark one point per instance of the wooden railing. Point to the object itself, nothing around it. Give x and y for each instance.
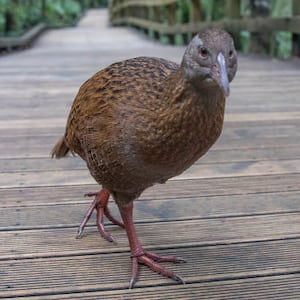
(160, 18)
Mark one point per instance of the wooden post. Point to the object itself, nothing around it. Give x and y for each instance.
(156, 18)
(119, 13)
(195, 11)
(195, 14)
(146, 16)
(110, 8)
(43, 9)
(296, 37)
(233, 11)
(171, 15)
(126, 13)
(260, 42)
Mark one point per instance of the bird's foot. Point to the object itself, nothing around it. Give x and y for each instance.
(100, 205)
(152, 260)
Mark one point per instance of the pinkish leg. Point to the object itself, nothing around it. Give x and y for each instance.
(100, 204)
(138, 255)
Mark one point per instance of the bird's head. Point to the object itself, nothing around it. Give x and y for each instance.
(211, 59)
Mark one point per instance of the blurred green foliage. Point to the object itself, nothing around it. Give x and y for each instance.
(281, 48)
(182, 13)
(215, 10)
(61, 13)
(16, 16)
(283, 40)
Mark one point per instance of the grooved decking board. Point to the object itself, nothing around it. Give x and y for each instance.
(235, 215)
(74, 177)
(103, 271)
(43, 195)
(52, 215)
(31, 146)
(43, 162)
(61, 241)
(284, 287)
(244, 129)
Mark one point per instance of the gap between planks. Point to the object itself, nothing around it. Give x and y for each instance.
(205, 264)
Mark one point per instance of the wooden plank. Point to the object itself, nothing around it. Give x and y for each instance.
(33, 146)
(205, 264)
(281, 111)
(240, 232)
(53, 215)
(53, 242)
(218, 170)
(173, 189)
(283, 287)
(215, 155)
(269, 124)
(235, 124)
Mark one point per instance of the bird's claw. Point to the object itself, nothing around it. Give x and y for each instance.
(178, 278)
(164, 258)
(151, 260)
(79, 232)
(92, 194)
(180, 260)
(131, 283)
(100, 205)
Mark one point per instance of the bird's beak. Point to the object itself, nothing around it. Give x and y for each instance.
(219, 74)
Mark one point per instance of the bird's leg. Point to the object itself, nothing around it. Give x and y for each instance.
(100, 204)
(139, 255)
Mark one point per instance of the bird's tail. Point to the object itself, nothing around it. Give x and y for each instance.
(60, 149)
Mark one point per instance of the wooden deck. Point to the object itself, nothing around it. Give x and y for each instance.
(234, 215)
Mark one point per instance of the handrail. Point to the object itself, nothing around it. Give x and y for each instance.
(24, 40)
(159, 16)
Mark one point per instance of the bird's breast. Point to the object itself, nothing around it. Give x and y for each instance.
(178, 138)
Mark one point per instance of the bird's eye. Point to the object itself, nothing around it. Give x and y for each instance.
(230, 54)
(203, 52)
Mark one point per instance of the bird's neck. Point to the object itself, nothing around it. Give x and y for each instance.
(179, 89)
(190, 121)
(199, 108)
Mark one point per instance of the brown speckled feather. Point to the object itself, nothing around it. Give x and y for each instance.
(144, 120)
(133, 125)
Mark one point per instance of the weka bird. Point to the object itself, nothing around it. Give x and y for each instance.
(144, 120)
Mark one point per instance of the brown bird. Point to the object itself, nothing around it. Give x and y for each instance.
(144, 120)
